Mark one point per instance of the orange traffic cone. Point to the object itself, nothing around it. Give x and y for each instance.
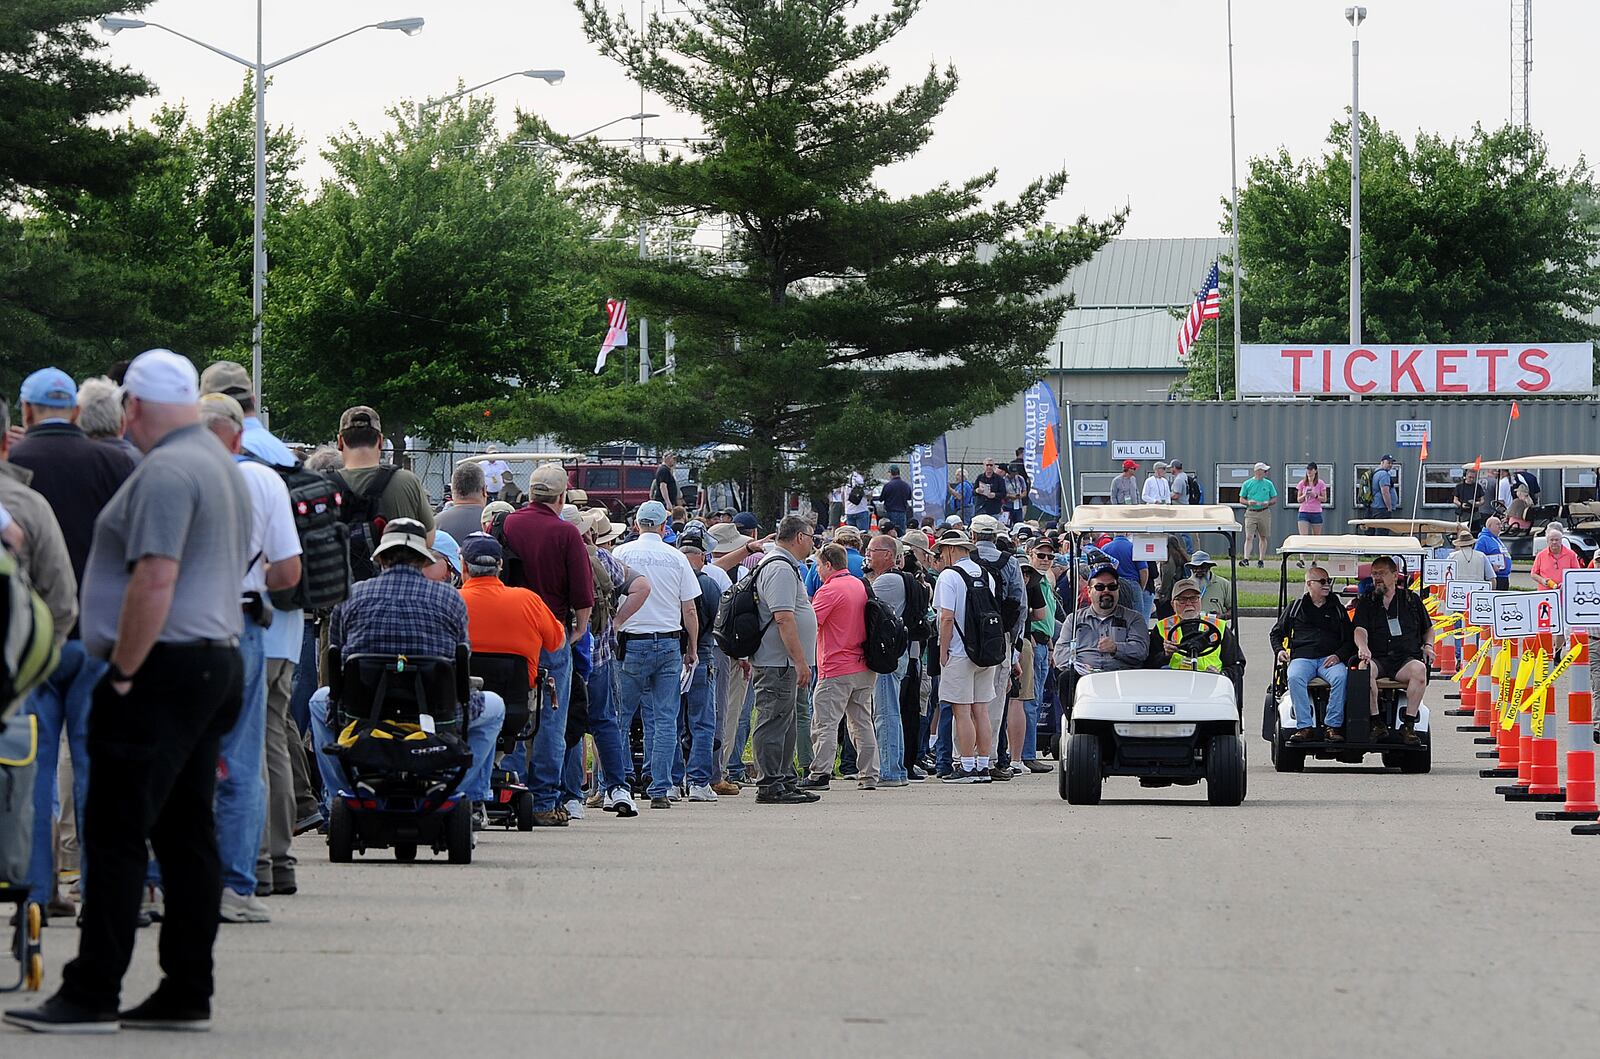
(1505, 739)
(1580, 803)
(874, 525)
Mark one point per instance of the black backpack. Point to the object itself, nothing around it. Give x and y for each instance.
(317, 506)
(704, 608)
(1196, 494)
(1010, 609)
(857, 494)
(886, 636)
(981, 628)
(359, 512)
(511, 569)
(738, 628)
(918, 598)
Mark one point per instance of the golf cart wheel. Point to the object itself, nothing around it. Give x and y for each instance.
(341, 834)
(1225, 770)
(405, 852)
(1286, 758)
(1416, 762)
(458, 833)
(1084, 775)
(522, 805)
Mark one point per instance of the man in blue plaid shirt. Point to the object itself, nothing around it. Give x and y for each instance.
(402, 612)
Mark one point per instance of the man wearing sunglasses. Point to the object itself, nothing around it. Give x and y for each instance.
(1314, 637)
(1101, 636)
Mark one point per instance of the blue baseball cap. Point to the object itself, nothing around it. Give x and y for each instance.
(50, 388)
(746, 522)
(480, 549)
(446, 548)
(651, 513)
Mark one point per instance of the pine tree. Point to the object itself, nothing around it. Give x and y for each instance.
(841, 325)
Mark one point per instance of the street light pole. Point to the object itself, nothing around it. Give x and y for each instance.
(259, 68)
(1233, 164)
(1355, 15)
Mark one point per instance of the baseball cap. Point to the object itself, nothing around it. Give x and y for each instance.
(1176, 465)
(1187, 584)
(360, 416)
(404, 533)
(894, 469)
(1130, 465)
(548, 481)
(1104, 568)
(481, 550)
(1261, 467)
(746, 522)
(161, 376)
(227, 377)
(651, 513)
(50, 388)
(952, 520)
(447, 548)
(985, 526)
(1199, 559)
(1387, 458)
(693, 541)
(223, 405)
(493, 509)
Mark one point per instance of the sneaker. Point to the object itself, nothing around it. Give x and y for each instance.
(661, 803)
(1261, 564)
(622, 802)
(984, 776)
(1303, 735)
(283, 883)
(480, 817)
(813, 783)
(574, 809)
(702, 792)
(309, 822)
(59, 1015)
(867, 785)
(243, 908)
(598, 800)
(775, 795)
(1036, 766)
(726, 788)
(1333, 735)
(1408, 732)
(1017, 768)
(916, 775)
(152, 905)
(550, 818)
(159, 1012)
(1000, 772)
(958, 775)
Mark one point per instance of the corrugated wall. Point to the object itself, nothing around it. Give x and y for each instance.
(1228, 437)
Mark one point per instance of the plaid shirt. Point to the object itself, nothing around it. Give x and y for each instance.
(400, 612)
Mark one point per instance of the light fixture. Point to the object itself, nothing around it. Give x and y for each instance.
(409, 26)
(114, 25)
(553, 77)
(1355, 16)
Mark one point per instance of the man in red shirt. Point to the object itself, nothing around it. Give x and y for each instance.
(555, 565)
(846, 684)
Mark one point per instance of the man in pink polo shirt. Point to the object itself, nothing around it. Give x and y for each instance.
(846, 684)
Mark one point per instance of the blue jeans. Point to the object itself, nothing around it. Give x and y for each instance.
(650, 676)
(886, 724)
(241, 811)
(1041, 677)
(305, 678)
(945, 742)
(484, 717)
(697, 727)
(860, 521)
(1301, 670)
(61, 705)
(547, 752)
(610, 741)
(900, 519)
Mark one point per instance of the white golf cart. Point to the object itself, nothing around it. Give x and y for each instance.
(1343, 557)
(1164, 726)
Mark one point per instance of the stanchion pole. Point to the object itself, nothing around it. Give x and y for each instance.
(1580, 803)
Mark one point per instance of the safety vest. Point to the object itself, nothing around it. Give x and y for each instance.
(1210, 662)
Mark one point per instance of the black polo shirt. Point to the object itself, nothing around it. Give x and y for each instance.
(77, 475)
(1405, 614)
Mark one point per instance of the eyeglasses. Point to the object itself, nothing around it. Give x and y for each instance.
(1319, 581)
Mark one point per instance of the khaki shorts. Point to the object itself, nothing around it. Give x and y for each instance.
(961, 681)
(1025, 660)
(1258, 523)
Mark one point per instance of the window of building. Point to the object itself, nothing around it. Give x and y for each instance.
(1577, 485)
(1439, 481)
(1230, 476)
(1361, 482)
(1094, 487)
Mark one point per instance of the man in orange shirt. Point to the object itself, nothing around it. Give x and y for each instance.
(500, 619)
(1555, 559)
(845, 684)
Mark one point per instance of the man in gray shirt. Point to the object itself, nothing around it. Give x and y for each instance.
(464, 516)
(1105, 635)
(161, 605)
(783, 661)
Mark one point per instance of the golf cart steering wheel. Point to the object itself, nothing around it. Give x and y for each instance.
(1199, 636)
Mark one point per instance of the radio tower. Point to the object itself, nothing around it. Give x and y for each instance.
(1521, 61)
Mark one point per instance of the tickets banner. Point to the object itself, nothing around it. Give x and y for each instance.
(1514, 370)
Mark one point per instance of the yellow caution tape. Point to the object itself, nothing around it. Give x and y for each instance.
(1505, 704)
(1470, 673)
(1538, 690)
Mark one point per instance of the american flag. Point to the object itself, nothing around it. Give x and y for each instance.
(1207, 306)
(616, 330)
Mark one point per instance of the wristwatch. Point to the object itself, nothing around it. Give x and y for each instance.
(118, 676)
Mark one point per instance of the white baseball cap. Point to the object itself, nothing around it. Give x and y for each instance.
(162, 376)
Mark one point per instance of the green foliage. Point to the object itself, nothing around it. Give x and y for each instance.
(1480, 239)
(841, 326)
(89, 278)
(432, 276)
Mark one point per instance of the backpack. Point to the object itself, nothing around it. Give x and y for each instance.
(704, 608)
(1010, 609)
(738, 628)
(27, 639)
(605, 592)
(857, 494)
(359, 512)
(316, 504)
(886, 636)
(981, 628)
(1196, 495)
(918, 599)
(511, 571)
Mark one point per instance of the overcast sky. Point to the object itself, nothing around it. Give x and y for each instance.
(1131, 96)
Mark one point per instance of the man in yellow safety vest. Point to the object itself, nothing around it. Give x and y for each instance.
(1224, 657)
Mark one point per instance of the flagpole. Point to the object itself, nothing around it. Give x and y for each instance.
(1510, 415)
(1216, 333)
(1416, 500)
(1069, 488)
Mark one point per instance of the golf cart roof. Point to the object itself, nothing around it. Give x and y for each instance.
(1349, 544)
(1544, 463)
(515, 457)
(1152, 518)
(1410, 525)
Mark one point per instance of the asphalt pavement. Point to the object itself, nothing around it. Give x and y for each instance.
(1341, 911)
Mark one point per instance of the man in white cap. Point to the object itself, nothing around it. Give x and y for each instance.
(1157, 487)
(1257, 494)
(657, 644)
(964, 684)
(161, 605)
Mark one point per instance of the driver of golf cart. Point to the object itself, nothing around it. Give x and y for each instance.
(1218, 652)
(1394, 640)
(1104, 634)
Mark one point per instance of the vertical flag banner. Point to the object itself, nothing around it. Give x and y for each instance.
(930, 479)
(1207, 306)
(1041, 446)
(616, 331)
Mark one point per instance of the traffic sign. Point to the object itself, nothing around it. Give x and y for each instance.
(1456, 593)
(1526, 613)
(1438, 571)
(1580, 597)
